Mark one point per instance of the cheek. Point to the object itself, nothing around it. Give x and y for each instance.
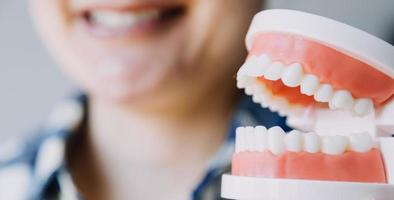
(53, 23)
(52, 19)
(228, 21)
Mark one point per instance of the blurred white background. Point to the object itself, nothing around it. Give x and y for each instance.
(30, 83)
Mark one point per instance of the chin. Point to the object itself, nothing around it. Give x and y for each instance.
(126, 89)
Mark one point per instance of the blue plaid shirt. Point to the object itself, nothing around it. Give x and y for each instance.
(36, 168)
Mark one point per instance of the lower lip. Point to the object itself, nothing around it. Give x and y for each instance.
(140, 29)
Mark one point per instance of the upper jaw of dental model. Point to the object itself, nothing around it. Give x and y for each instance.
(293, 76)
(347, 69)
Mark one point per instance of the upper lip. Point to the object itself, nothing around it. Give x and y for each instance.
(125, 5)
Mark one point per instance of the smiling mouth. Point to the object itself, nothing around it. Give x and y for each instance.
(130, 21)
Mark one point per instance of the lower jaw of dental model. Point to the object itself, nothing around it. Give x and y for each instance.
(296, 155)
(297, 75)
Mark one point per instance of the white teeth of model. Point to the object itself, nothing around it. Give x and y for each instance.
(278, 103)
(256, 98)
(274, 71)
(324, 93)
(265, 99)
(261, 95)
(361, 142)
(276, 140)
(255, 66)
(292, 75)
(334, 145)
(240, 139)
(261, 138)
(281, 105)
(114, 19)
(245, 81)
(249, 65)
(245, 67)
(249, 90)
(309, 84)
(255, 89)
(260, 98)
(342, 99)
(242, 81)
(296, 110)
(283, 112)
(294, 141)
(258, 87)
(312, 143)
(249, 132)
(363, 106)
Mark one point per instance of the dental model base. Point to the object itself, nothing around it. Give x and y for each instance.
(335, 85)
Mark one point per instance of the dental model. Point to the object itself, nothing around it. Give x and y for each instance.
(335, 84)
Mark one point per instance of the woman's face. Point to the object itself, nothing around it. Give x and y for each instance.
(130, 49)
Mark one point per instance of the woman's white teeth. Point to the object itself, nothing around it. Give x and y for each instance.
(310, 84)
(363, 106)
(294, 141)
(342, 99)
(324, 93)
(312, 143)
(274, 71)
(361, 142)
(276, 137)
(115, 19)
(334, 145)
(292, 75)
(275, 140)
